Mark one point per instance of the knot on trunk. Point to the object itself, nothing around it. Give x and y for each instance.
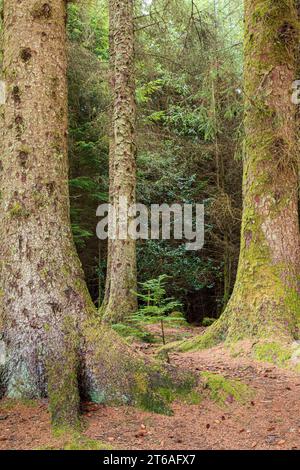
(41, 10)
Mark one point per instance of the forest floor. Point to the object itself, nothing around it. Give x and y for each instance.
(270, 419)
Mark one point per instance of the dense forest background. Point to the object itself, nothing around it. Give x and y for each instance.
(189, 134)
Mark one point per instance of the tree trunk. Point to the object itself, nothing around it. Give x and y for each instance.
(111, 144)
(120, 298)
(52, 338)
(266, 299)
(265, 302)
(41, 277)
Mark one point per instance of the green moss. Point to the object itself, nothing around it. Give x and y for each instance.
(190, 397)
(86, 444)
(11, 403)
(47, 327)
(62, 373)
(41, 199)
(207, 321)
(207, 340)
(16, 210)
(204, 341)
(297, 368)
(214, 335)
(221, 388)
(71, 440)
(272, 352)
(153, 402)
(277, 25)
(133, 333)
(158, 389)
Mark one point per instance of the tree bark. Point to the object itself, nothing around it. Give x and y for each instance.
(120, 298)
(51, 334)
(265, 302)
(41, 276)
(266, 299)
(111, 144)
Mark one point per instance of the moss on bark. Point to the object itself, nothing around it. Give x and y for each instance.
(115, 374)
(62, 369)
(54, 343)
(121, 285)
(265, 302)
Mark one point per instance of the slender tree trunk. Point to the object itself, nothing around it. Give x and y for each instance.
(53, 341)
(111, 145)
(121, 285)
(265, 302)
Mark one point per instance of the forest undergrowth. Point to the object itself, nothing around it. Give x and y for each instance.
(246, 400)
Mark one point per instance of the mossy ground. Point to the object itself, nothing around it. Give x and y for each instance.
(273, 352)
(127, 428)
(11, 403)
(163, 388)
(282, 353)
(133, 333)
(211, 337)
(221, 388)
(70, 440)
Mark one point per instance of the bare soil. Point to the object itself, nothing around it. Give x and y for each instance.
(271, 420)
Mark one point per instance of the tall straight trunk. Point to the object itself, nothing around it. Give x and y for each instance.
(111, 144)
(122, 284)
(41, 276)
(265, 302)
(50, 333)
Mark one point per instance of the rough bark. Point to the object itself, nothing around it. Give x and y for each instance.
(266, 299)
(265, 302)
(121, 285)
(54, 343)
(41, 276)
(111, 144)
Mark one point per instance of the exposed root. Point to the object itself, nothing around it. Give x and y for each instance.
(109, 371)
(259, 320)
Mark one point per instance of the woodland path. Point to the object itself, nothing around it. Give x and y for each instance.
(271, 420)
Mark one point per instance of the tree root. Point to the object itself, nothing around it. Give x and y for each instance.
(110, 372)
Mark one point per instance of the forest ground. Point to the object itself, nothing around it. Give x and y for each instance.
(270, 419)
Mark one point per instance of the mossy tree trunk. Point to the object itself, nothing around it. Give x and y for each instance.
(266, 298)
(120, 298)
(111, 144)
(54, 343)
(265, 302)
(41, 276)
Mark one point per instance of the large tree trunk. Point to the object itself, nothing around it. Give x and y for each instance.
(120, 297)
(43, 290)
(53, 341)
(265, 302)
